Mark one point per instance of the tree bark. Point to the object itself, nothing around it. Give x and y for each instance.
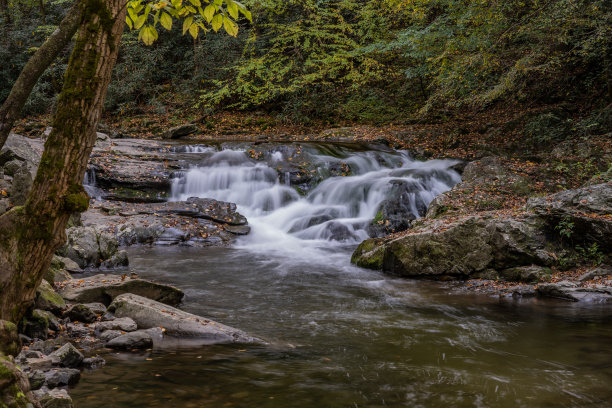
(30, 235)
(36, 65)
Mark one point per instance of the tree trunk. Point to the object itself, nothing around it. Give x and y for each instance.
(36, 65)
(31, 234)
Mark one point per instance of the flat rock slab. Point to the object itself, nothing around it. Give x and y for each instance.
(104, 288)
(149, 314)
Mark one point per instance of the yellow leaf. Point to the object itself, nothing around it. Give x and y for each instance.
(187, 23)
(230, 27)
(193, 30)
(217, 22)
(166, 21)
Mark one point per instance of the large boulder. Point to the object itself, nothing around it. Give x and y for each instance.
(104, 288)
(468, 247)
(150, 314)
(68, 356)
(88, 247)
(21, 185)
(135, 340)
(584, 211)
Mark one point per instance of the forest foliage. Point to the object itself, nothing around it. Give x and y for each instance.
(367, 61)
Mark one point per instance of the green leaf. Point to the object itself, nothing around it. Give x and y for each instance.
(140, 21)
(217, 22)
(196, 3)
(230, 27)
(129, 22)
(209, 12)
(133, 14)
(193, 30)
(166, 21)
(187, 23)
(232, 8)
(147, 36)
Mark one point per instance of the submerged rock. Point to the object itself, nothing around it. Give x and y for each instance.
(150, 314)
(104, 288)
(571, 291)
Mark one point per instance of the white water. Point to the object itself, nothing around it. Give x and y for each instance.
(339, 209)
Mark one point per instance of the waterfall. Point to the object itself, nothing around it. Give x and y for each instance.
(89, 184)
(339, 208)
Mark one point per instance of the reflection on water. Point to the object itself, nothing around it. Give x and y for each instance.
(345, 337)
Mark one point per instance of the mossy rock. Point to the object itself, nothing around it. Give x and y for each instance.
(9, 338)
(48, 299)
(369, 254)
(36, 325)
(14, 386)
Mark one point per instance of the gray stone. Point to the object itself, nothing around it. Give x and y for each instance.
(93, 362)
(81, 313)
(104, 288)
(108, 335)
(43, 363)
(88, 247)
(55, 398)
(22, 183)
(149, 314)
(179, 131)
(68, 356)
(125, 324)
(51, 319)
(571, 291)
(600, 271)
(77, 330)
(37, 379)
(36, 325)
(134, 340)
(97, 308)
(119, 260)
(62, 376)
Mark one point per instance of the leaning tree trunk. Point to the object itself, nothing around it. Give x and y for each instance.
(34, 68)
(30, 235)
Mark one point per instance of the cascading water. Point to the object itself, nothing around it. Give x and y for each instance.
(339, 208)
(89, 184)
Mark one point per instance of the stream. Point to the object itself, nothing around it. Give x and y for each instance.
(338, 335)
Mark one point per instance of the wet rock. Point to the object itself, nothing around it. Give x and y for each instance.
(587, 209)
(47, 346)
(48, 299)
(459, 249)
(134, 340)
(104, 288)
(179, 131)
(77, 330)
(14, 385)
(149, 314)
(395, 214)
(9, 338)
(43, 363)
(88, 247)
(600, 271)
(62, 376)
(55, 398)
(119, 260)
(68, 356)
(526, 274)
(125, 324)
(81, 313)
(93, 363)
(522, 291)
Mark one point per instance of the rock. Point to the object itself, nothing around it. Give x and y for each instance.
(179, 131)
(53, 322)
(23, 149)
(119, 260)
(486, 168)
(523, 291)
(55, 398)
(134, 340)
(108, 335)
(48, 299)
(29, 353)
(571, 291)
(14, 386)
(77, 330)
(43, 363)
(603, 270)
(104, 288)
(12, 167)
(35, 325)
(10, 344)
(395, 213)
(97, 308)
(103, 141)
(68, 356)
(88, 247)
(22, 183)
(149, 314)
(526, 274)
(587, 209)
(125, 324)
(460, 249)
(81, 313)
(47, 346)
(93, 362)
(62, 376)
(57, 271)
(69, 264)
(37, 379)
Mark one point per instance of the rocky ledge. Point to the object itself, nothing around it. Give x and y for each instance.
(552, 232)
